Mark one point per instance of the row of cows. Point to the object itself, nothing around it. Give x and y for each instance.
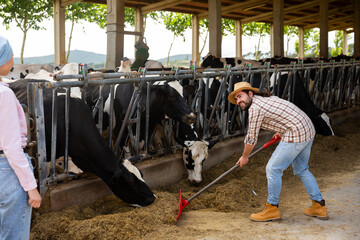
(90, 152)
(214, 62)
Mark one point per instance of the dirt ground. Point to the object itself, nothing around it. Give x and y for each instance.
(222, 212)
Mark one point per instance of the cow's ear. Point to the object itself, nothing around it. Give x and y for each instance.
(212, 142)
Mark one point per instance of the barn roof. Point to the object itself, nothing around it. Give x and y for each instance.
(303, 13)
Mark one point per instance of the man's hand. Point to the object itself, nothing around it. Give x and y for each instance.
(277, 134)
(243, 161)
(34, 198)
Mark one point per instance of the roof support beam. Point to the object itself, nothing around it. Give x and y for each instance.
(345, 43)
(238, 38)
(233, 7)
(195, 27)
(215, 34)
(324, 28)
(356, 28)
(342, 27)
(315, 16)
(333, 21)
(139, 25)
(115, 33)
(59, 33)
(161, 5)
(65, 3)
(286, 10)
(277, 40)
(301, 42)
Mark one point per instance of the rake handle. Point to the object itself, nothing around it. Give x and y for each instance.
(266, 145)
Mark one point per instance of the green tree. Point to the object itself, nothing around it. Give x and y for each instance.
(26, 14)
(290, 32)
(307, 47)
(204, 32)
(315, 48)
(259, 29)
(338, 41)
(228, 26)
(177, 23)
(89, 12)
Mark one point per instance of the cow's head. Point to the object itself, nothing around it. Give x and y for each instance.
(127, 184)
(170, 100)
(207, 60)
(194, 155)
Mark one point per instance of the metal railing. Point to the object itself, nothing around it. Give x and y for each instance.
(332, 86)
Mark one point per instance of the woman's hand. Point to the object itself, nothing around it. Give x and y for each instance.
(34, 198)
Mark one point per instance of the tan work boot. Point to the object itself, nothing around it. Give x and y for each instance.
(269, 213)
(318, 210)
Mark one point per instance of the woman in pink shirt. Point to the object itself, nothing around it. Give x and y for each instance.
(18, 188)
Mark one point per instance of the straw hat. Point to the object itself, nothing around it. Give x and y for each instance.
(240, 86)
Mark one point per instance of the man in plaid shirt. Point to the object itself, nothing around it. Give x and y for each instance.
(297, 134)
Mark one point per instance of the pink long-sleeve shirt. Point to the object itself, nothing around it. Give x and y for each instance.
(13, 133)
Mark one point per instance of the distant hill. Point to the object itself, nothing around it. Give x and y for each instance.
(75, 56)
(97, 61)
(176, 58)
(92, 58)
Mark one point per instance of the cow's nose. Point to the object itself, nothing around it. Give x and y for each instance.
(195, 183)
(190, 118)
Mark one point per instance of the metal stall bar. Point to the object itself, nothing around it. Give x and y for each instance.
(111, 117)
(53, 131)
(67, 122)
(37, 101)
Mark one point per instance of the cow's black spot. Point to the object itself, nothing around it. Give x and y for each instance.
(190, 164)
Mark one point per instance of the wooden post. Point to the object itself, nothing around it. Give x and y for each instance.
(59, 33)
(139, 24)
(324, 5)
(238, 38)
(345, 42)
(115, 33)
(272, 50)
(301, 42)
(357, 28)
(195, 55)
(215, 27)
(278, 28)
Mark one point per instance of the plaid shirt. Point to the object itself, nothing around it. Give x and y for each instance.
(278, 115)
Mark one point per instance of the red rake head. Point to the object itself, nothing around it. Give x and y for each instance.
(182, 204)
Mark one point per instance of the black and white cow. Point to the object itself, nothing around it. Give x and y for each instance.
(195, 151)
(214, 62)
(167, 98)
(153, 64)
(88, 149)
(302, 99)
(164, 100)
(20, 71)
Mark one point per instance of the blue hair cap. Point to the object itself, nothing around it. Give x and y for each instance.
(5, 51)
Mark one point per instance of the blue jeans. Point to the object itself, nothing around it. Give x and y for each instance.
(298, 155)
(15, 211)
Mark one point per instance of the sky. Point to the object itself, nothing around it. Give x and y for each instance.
(89, 37)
